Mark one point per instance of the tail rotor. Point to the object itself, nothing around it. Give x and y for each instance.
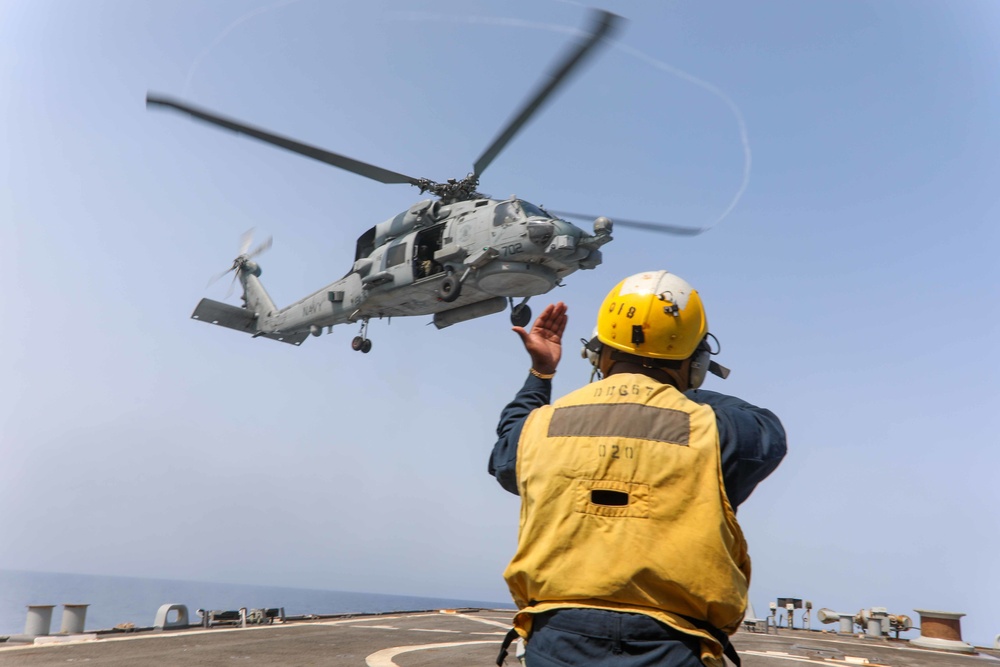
(243, 259)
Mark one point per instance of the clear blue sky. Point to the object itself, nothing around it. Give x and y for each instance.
(853, 286)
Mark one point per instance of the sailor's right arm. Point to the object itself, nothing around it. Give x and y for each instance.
(544, 345)
(535, 393)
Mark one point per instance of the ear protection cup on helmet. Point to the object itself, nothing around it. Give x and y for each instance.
(592, 352)
(699, 364)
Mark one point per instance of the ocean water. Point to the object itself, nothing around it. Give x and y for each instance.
(115, 600)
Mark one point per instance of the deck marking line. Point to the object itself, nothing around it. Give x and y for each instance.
(783, 656)
(454, 632)
(488, 621)
(384, 657)
(369, 619)
(821, 661)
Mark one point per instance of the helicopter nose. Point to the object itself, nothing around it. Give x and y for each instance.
(540, 232)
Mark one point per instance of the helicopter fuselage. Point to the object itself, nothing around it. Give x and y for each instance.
(498, 250)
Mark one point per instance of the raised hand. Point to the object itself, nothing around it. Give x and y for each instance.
(544, 341)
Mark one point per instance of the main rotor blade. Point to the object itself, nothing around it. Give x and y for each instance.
(636, 224)
(341, 161)
(603, 24)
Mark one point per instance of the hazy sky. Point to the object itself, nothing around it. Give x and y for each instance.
(853, 287)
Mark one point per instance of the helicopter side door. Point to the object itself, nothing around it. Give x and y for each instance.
(426, 243)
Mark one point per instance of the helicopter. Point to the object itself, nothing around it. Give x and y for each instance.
(458, 257)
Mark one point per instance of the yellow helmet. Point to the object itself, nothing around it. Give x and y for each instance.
(655, 314)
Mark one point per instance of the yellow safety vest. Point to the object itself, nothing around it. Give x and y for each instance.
(623, 507)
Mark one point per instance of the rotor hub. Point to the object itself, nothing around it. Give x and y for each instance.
(453, 190)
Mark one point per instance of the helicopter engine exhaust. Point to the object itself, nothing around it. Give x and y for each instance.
(472, 311)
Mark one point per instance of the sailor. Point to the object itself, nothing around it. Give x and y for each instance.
(629, 552)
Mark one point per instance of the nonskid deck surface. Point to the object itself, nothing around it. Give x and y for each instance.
(463, 638)
(446, 638)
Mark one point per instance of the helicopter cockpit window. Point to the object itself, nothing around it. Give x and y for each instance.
(532, 211)
(505, 212)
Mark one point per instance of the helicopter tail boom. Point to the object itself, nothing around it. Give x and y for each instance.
(255, 296)
(240, 319)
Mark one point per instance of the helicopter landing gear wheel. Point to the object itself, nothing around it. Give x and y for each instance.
(360, 343)
(520, 315)
(450, 288)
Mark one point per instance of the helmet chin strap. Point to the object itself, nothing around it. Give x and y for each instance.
(595, 367)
